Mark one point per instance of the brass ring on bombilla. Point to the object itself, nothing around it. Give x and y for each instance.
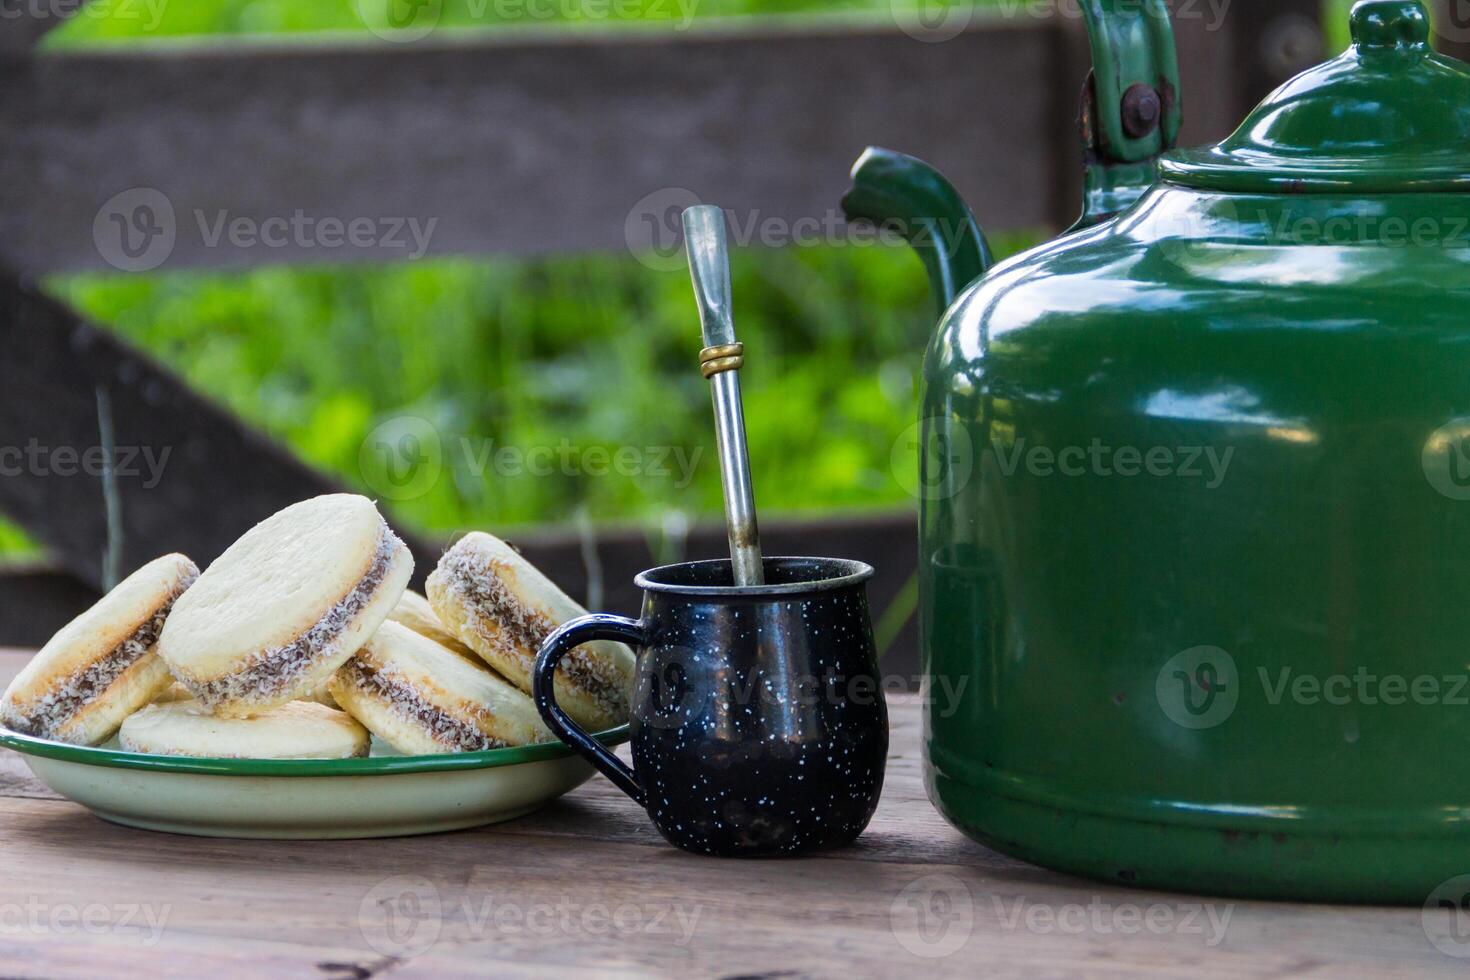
(723, 357)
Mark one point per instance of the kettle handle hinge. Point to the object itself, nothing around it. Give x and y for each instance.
(1131, 110)
(1131, 106)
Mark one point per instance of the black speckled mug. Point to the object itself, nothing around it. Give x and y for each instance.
(758, 723)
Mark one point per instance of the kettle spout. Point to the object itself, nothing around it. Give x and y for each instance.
(906, 194)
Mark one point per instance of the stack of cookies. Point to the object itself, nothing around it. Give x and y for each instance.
(302, 638)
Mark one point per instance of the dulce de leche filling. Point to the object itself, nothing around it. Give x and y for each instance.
(453, 733)
(269, 673)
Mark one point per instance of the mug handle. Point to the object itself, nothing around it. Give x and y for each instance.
(572, 634)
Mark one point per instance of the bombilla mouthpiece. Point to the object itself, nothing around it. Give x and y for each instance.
(709, 268)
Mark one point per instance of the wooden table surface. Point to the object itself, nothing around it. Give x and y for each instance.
(587, 887)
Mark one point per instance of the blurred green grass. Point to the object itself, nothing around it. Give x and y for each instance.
(585, 351)
(129, 20)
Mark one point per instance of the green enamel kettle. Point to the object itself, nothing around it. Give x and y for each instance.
(1195, 477)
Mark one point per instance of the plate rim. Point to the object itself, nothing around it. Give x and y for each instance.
(393, 765)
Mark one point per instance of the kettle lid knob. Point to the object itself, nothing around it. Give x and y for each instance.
(1388, 116)
(1388, 24)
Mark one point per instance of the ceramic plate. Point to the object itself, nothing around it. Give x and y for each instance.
(384, 795)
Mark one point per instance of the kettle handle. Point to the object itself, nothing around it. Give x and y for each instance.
(1130, 115)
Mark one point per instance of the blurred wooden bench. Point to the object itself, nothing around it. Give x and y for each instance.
(519, 143)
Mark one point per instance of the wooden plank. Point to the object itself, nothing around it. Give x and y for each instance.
(518, 143)
(518, 904)
(1212, 87)
(190, 476)
(491, 145)
(586, 887)
(1272, 41)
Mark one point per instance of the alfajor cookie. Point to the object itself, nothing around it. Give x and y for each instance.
(299, 730)
(285, 605)
(423, 700)
(414, 611)
(101, 667)
(503, 607)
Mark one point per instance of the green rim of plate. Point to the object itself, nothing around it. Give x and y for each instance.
(394, 765)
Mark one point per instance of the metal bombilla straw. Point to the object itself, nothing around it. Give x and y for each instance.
(720, 362)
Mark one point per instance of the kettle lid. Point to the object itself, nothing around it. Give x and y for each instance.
(1389, 115)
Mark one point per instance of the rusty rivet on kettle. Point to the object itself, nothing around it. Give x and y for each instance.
(1141, 110)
